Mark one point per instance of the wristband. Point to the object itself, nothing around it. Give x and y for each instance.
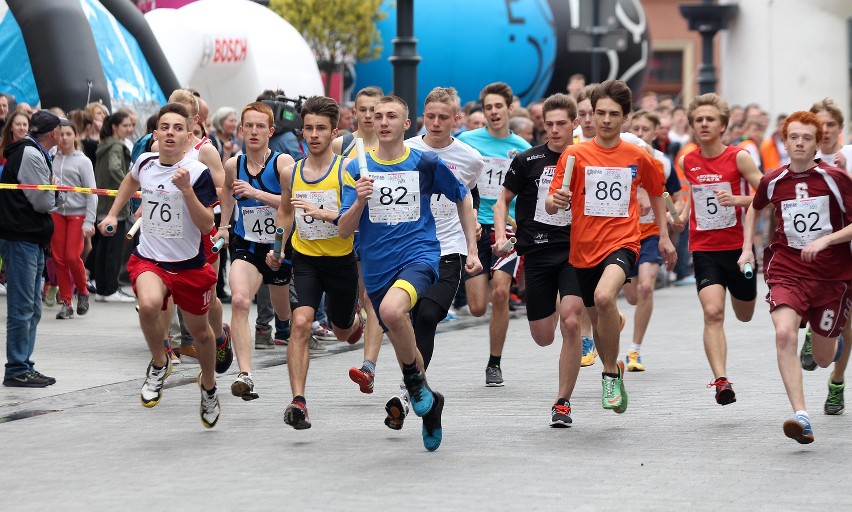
(225, 227)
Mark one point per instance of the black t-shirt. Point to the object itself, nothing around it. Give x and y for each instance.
(524, 179)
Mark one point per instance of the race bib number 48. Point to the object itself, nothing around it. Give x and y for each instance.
(259, 224)
(396, 197)
(608, 191)
(161, 213)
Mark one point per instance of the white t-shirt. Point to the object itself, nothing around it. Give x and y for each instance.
(831, 159)
(168, 234)
(466, 163)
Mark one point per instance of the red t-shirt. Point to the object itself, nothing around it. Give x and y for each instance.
(808, 205)
(713, 227)
(605, 218)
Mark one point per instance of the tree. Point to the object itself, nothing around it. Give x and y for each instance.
(335, 30)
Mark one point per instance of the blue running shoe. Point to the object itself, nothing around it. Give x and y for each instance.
(432, 432)
(799, 429)
(419, 393)
(589, 352)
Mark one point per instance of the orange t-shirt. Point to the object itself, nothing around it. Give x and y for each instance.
(650, 228)
(605, 218)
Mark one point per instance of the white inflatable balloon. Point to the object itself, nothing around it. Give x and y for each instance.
(231, 50)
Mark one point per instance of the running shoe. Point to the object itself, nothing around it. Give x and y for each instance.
(50, 380)
(634, 362)
(188, 354)
(322, 332)
(419, 393)
(355, 337)
(806, 356)
(283, 342)
(397, 409)
(614, 396)
(799, 429)
(364, 379)
(82, 304)
(209, 409)
(243, 387)
(834, 402)
(315, 346)
(296, 415)
(432, 431)
(65, 311)
(724, 391)
(152, 389)
(224, 350)
(263, 339)
(589, 352)
(560, 415)
(493, 376)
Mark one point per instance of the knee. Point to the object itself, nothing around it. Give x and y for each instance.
(391, 314)
(500, 295)
(150, 309)
(714, 315)
(786, 338)
(604, 301)
(240, 303)
(300, 324)
(477, 309)
(646, 290)
(429, 313)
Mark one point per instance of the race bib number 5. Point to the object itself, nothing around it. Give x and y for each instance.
(161, 213)
(805, 220)
(396, 197)
(608, 191)
(259, 224)
(709, 214)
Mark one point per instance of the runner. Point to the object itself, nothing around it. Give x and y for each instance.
(178, 197)
(252, 181)
(399, 247)
(498, 145)
(807, 262)
(440, 112)
(604, 226)
(639, 291)
(365, 106)
(543, 242)
(719, 177)
(323, 262)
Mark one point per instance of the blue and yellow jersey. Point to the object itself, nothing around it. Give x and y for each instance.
(314, 237)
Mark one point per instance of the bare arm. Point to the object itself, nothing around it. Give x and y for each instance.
(127, 188)
(468, 222)
(202, 216)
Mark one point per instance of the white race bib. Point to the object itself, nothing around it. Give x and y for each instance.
(259, 223)
(161, 213)
(560, 218)
(608, 191)
(309, 227)
(805, 220)
(396, 197)
(491, 177)
(442, 208)
(709, 214)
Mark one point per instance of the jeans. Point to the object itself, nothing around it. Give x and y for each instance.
(24, 264)
(108, 259)
(265, 314)
(682, 267)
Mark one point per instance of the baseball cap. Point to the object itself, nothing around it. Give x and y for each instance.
(43, 121)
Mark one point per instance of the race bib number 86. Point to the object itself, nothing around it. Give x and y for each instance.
(608, 191)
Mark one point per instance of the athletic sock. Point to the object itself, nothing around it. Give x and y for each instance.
(803, 413)
(410, 369)
(494, 361)
(369, 366)
(635, 348)
(300, 399)
(612, 375)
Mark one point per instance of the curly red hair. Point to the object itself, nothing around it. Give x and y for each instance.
(803, 117)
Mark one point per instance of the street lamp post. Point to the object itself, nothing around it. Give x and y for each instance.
(405, 60)
(707, 19)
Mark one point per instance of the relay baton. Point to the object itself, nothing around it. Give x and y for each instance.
(133, 229)
(279, 241)
(362, 160)
(748, 272)
(109, 228)
(218, 246)
(509, 245)
(670, 205)
(566, 180)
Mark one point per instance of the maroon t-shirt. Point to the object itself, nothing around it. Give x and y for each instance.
(808, 205)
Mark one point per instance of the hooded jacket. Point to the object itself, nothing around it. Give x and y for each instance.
(111, 165)
(75, 170)
(25, 214)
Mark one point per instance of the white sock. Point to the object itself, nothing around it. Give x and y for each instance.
(635, 348)
(803, 413)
